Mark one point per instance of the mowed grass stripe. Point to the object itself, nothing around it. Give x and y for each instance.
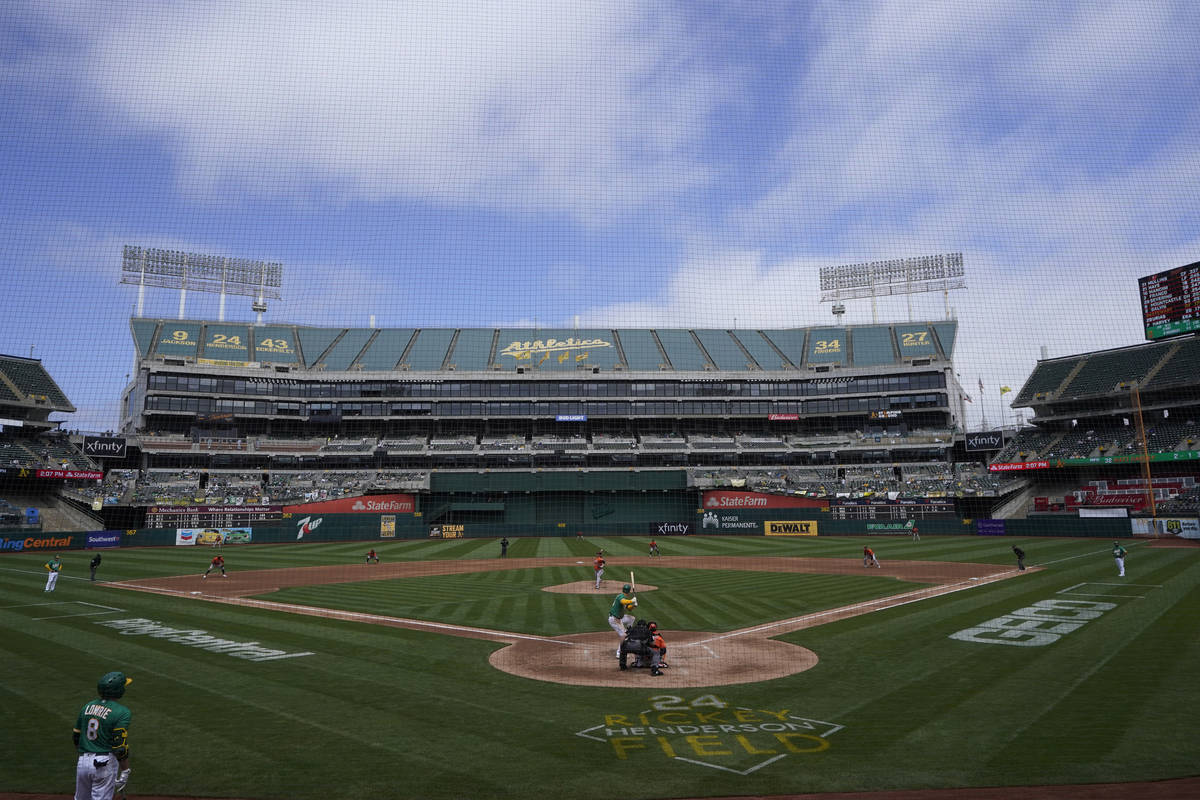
(687, 599)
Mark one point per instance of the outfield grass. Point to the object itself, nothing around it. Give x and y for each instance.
(393, 712)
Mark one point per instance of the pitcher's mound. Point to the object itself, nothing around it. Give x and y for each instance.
(695, 658)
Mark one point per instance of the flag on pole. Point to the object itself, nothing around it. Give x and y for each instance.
(1004, 390)
(981, 385)
(967, 397)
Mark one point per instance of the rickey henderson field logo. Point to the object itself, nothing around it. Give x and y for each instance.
(709, 732)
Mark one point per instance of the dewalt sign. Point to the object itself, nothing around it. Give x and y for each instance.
(802, 528)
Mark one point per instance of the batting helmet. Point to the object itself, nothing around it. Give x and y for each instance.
(627, 588)
(653, 626)
(112, 685)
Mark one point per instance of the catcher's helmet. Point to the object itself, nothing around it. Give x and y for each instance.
(112, 685)
(653, 626)
(627, 588)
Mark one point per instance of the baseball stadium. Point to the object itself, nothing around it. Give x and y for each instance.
(432, 477)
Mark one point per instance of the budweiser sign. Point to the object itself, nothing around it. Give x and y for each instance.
(367, 504)
(722, 499)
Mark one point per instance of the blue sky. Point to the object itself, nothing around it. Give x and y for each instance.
(633, 164)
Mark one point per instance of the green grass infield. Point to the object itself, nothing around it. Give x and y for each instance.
(1066, 674)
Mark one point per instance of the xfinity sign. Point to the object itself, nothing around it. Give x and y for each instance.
(104, 447)
(985, 440)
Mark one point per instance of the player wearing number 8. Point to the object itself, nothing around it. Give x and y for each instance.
(101, 736)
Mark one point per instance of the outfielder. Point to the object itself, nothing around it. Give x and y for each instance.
(620, 616)
(598, 566)
(53, 566)
(101, 736)
(1119, 556)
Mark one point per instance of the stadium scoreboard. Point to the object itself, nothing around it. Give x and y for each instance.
(1171, 301)
(210, 516)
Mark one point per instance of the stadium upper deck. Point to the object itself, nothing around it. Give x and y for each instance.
(285, 348)
(235, 381)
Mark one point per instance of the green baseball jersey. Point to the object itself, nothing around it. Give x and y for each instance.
(1118, 551)
(103, 727)
(54, 565)
(621, 606)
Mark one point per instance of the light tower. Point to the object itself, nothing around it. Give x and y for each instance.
(173, 269)
(907, 276)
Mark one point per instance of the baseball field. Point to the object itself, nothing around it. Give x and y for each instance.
(445, 671)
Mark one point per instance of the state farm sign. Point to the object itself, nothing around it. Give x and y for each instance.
(721, 499)
(367, 504)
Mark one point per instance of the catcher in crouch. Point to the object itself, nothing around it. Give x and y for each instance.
(620, 616)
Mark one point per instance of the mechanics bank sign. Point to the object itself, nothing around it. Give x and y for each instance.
(718, 500)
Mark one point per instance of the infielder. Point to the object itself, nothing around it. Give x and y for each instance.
(218, 562)
(598, 566)
(372, 556)
(653, 547)
(101, 737)
(1119, 556)
(620, 616)
(869, 559)
(53, 566)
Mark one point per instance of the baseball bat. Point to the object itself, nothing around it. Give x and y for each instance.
(632, 582)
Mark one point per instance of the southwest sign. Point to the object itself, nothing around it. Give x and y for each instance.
(720, 499)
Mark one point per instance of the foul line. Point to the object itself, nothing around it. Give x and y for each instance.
(346, 616)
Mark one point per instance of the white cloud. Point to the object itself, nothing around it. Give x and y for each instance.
(531, 105)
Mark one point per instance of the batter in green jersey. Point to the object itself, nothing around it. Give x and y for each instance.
(101, 736)
(620, 616)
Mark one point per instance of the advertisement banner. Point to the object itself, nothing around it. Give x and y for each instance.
(366, 504)
(800, 528)
(989, 527)
(1167, 526)
(1018, 466)
(71, 474)
(932, 503)
(447, 531)
(875, 528)
(35, 543)
(104, 446)
(984, 440)
(97, 539)
(670, 528)
(387, 526)
(727, 522)
(783, 417)
(212, 509)
(212, 537)
(718, 499)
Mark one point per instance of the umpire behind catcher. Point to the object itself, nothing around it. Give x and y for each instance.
(639, 643)
(101, 736)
